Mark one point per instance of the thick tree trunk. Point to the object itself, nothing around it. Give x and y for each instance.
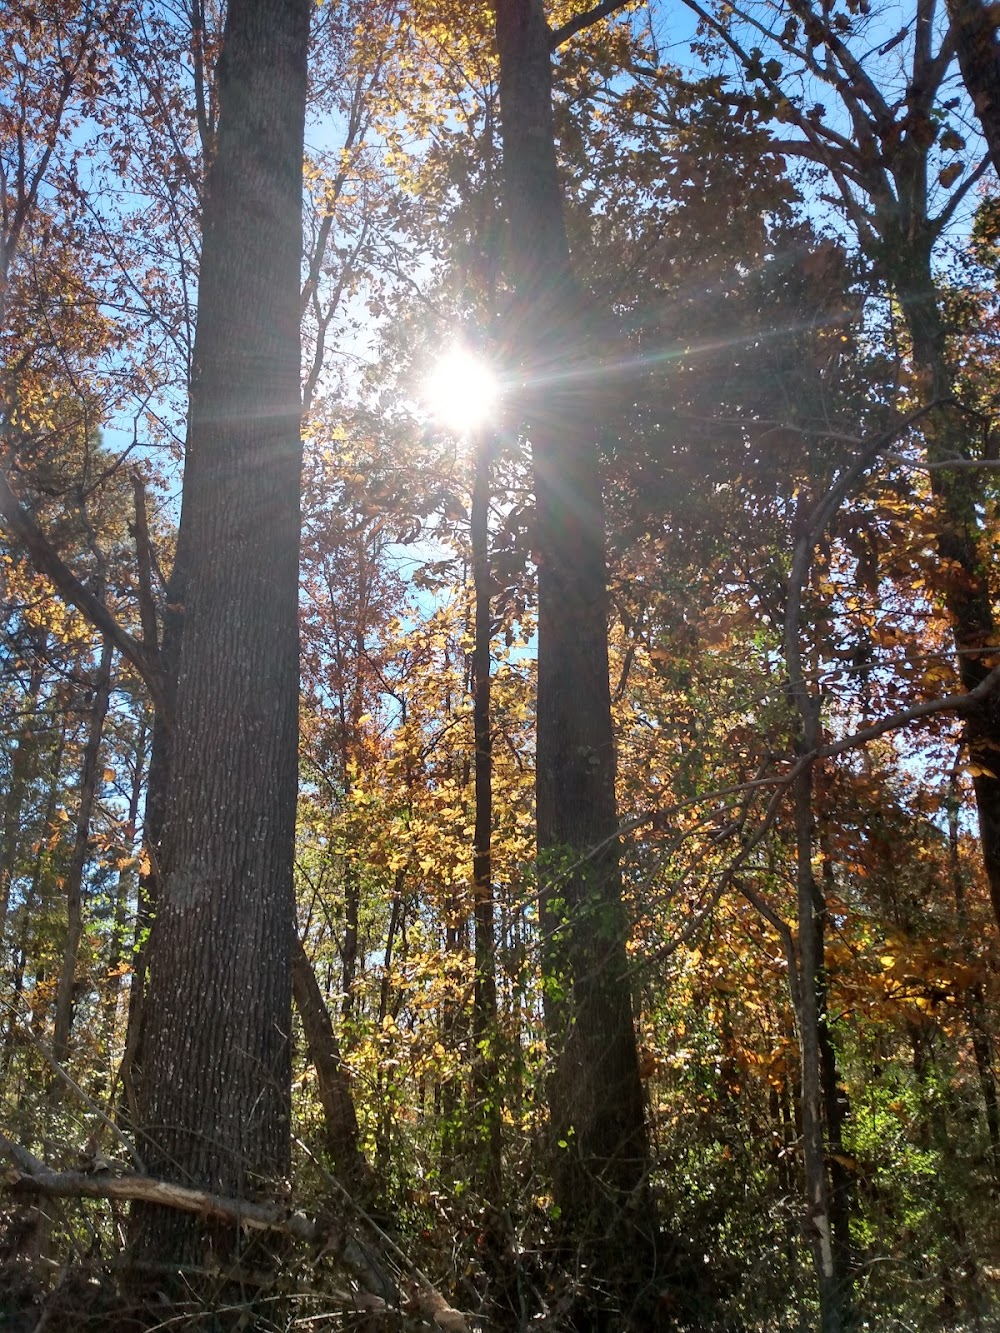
(599, 1149)
(89, 780)
(214, 1099)
(975, 32)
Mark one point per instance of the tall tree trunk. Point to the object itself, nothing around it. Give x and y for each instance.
(818, 1221)
(154, 813)
(975, 996)
(485, 1033)
(214, 1099)
(843, 1195)
(975, 33)
(599, 1149)
(965, 578)
(89, 781)
(807, 980)
(33, 894)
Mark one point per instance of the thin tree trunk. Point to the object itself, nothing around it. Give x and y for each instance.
(485, 1034)
(352, 908)
(807, 981)
(130, 1073)
(384, 1130)
(214, 1099)
(818, 1224)
(598, 1136)
(975, 999)
(89, 782)
(843, 1195)
(341, 1119)
(32, 896)
(23, 766)
(125, 882)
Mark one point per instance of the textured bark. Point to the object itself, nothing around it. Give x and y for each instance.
(599, 1151)
(974, 26)
(89, 778)
(214, 1099)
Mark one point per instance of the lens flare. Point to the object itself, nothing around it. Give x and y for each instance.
(461, 392)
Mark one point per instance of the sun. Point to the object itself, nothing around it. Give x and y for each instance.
(461, 392)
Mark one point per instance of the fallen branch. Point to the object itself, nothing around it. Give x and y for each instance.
(31, 1176)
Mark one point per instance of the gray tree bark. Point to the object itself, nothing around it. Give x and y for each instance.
(214, 1098)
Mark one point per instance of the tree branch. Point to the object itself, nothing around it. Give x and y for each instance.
(48, 562)
(32, 1176)
(584, 20)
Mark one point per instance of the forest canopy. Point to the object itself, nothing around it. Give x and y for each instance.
(500, 668)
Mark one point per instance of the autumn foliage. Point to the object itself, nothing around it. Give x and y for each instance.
(769, 331)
